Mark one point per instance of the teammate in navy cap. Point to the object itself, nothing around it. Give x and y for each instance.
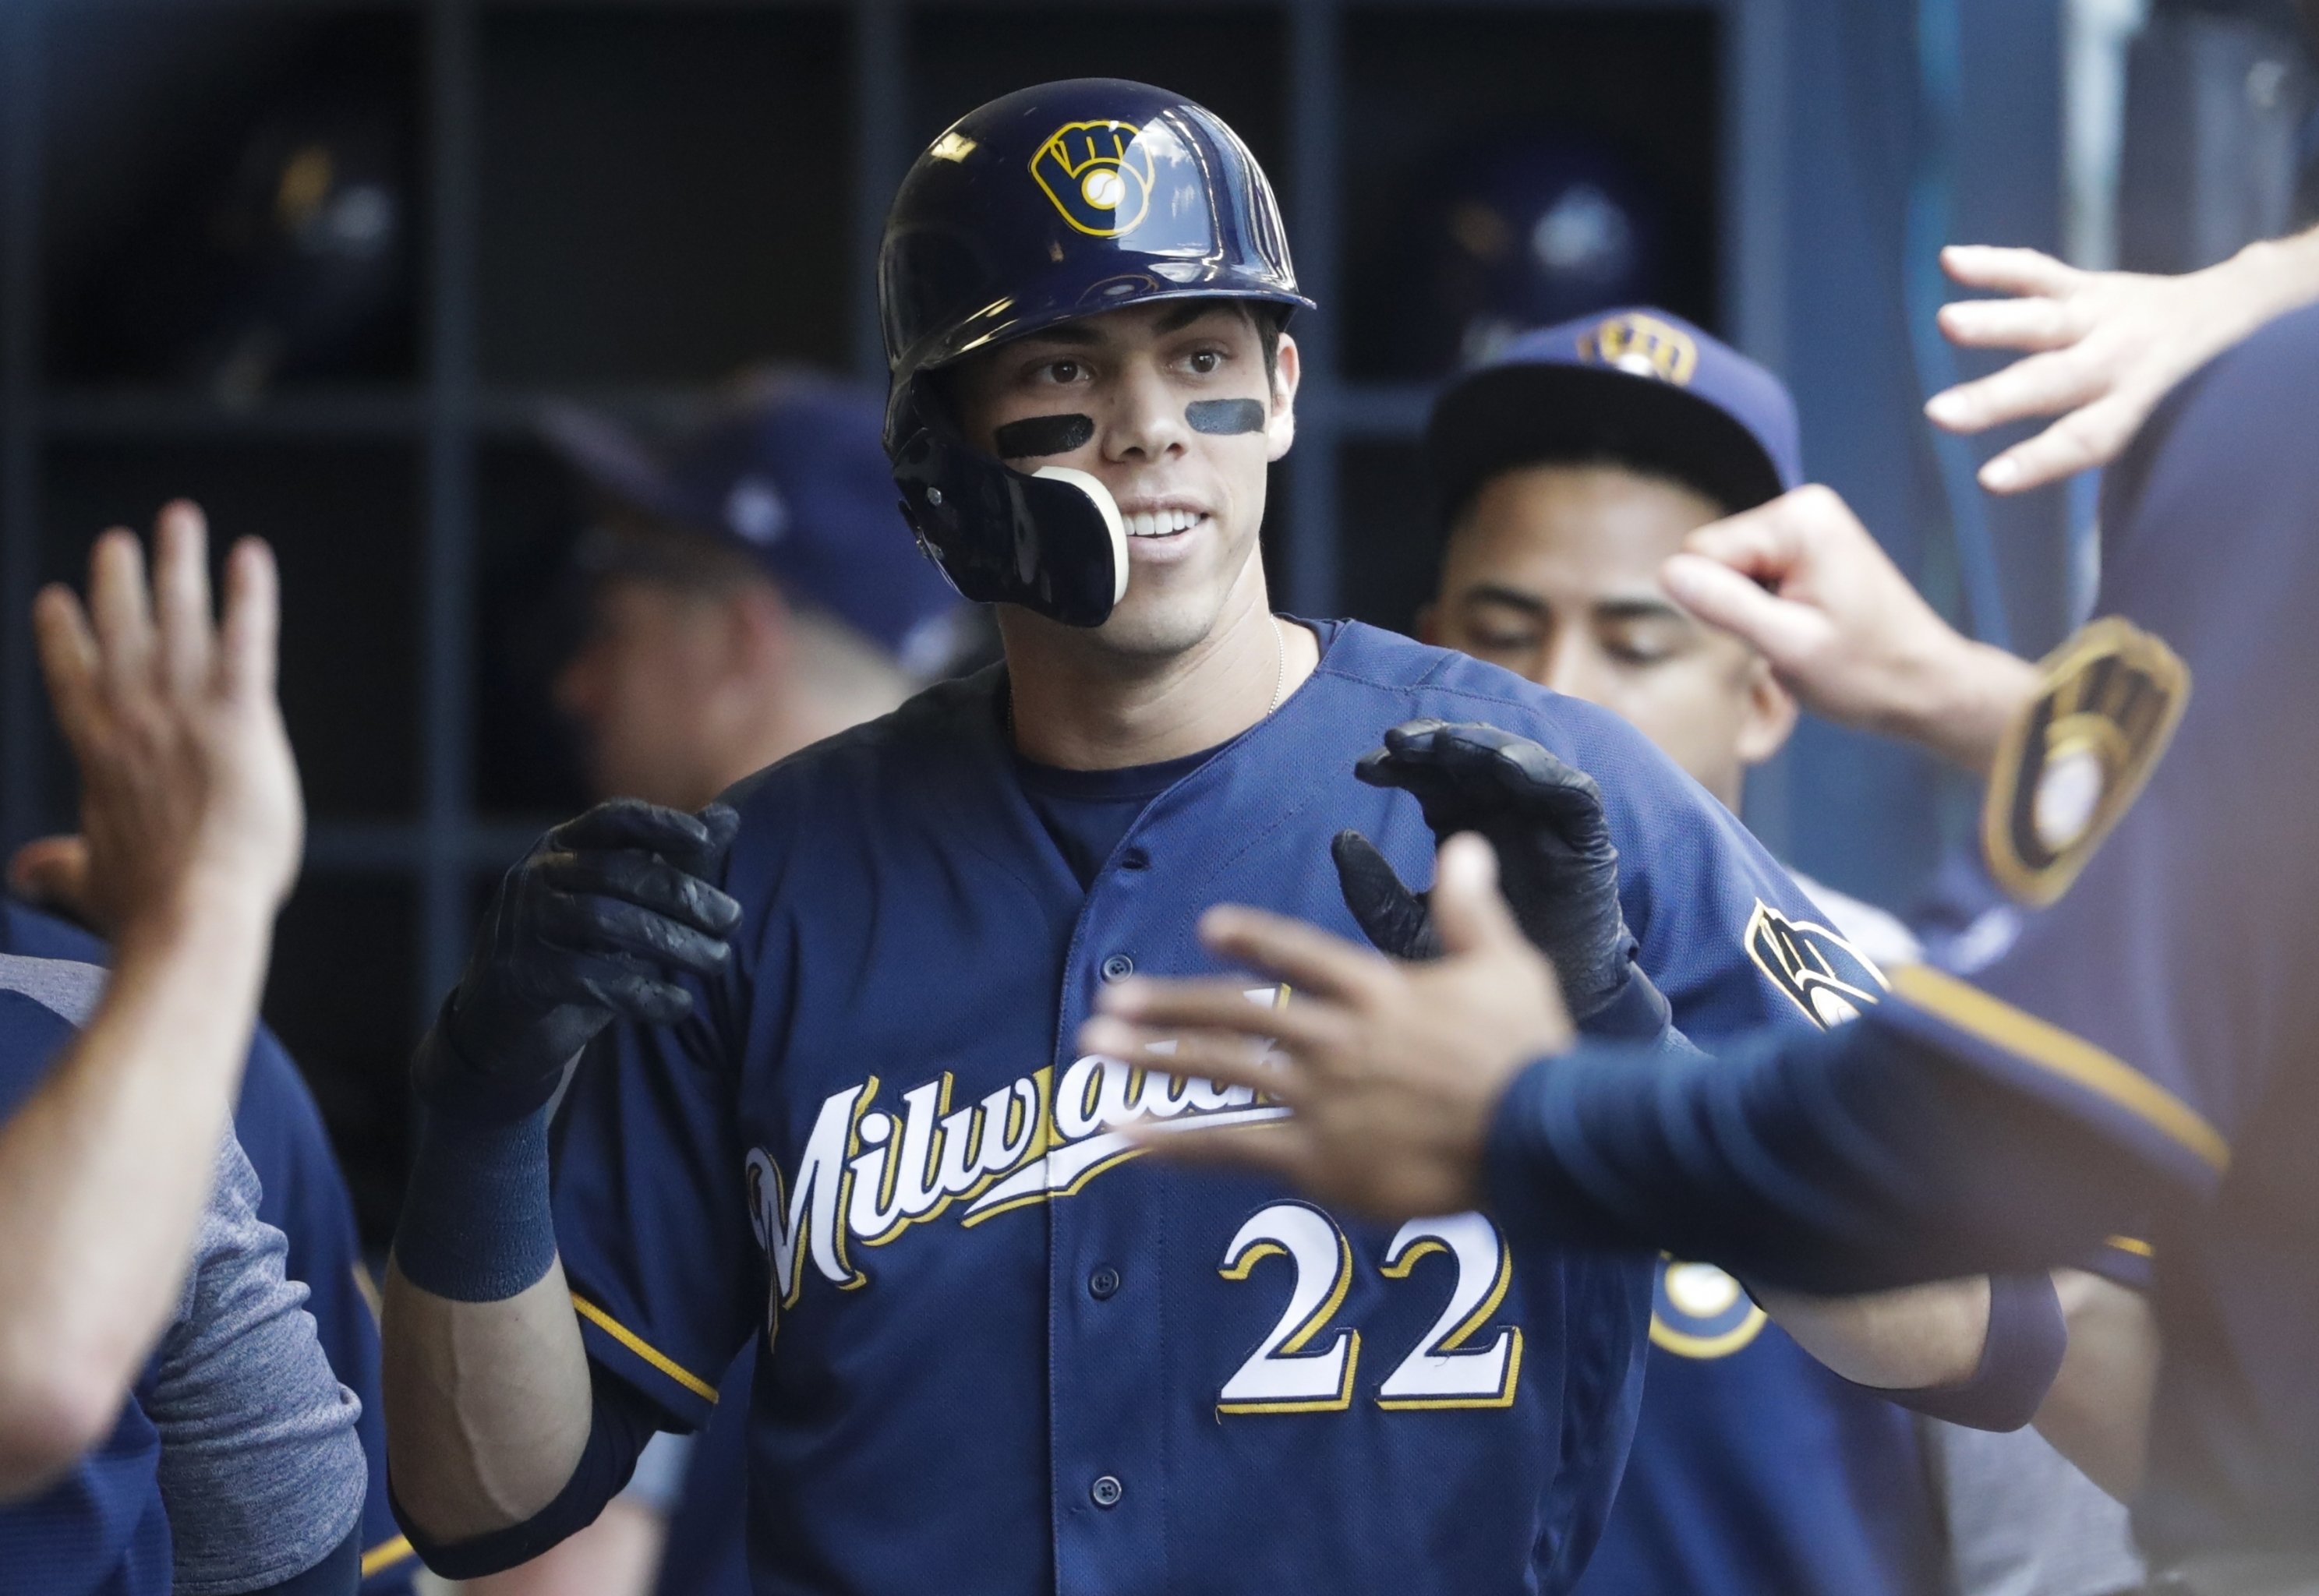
(841, 1122)
(1568, 469)
(2141, 1046)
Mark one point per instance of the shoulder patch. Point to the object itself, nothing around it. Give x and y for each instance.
(1822, 973)
(2069, 769)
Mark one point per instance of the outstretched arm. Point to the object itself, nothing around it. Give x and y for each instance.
(190, 804)
(2100, 348)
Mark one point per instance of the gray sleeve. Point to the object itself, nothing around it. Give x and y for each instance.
(658, 1483)
(2023, 1522)
(261, 1471)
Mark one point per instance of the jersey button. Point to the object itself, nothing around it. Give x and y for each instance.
(1106, 1491)
(1103, 1283)
(1135, 859)
(1118, 968)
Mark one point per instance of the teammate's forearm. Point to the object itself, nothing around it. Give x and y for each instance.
(2275, 276)
(2097, 1413)
(1961, 711)
(1906, 1339)
(488, 1406)
(104, 1171)
(1850, 1162)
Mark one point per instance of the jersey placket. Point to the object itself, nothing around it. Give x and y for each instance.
(1106, 1310)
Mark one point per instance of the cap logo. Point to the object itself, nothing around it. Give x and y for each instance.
(1098, 175)
(755, 511)
(1643, 346)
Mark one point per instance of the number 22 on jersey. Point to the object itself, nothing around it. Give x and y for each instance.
(1304, 1364)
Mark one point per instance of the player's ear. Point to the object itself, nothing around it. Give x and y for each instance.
(1768, 712)
(1280, 426)
(1429, 622)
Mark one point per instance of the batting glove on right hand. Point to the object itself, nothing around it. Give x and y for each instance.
(595, 923)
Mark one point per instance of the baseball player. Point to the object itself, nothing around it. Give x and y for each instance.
(1569, 467)
(167, 1418)
(2139, 1046)
(840, 1117)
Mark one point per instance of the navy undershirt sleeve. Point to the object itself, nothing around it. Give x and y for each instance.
(624, 1420)
(1855, 1161)
(2020, 1354)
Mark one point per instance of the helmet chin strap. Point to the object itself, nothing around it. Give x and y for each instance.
(1108, 508)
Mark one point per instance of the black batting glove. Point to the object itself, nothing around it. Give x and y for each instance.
(596, 921)
(1556, 863)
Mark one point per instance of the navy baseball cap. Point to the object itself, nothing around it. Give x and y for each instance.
(790, 471)
(1639, 387)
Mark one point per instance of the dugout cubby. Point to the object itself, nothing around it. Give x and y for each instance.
(341, 518)
(657, 192)
(1629, 96)
(339, 995)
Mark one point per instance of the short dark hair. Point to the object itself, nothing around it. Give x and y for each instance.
(1271, 320)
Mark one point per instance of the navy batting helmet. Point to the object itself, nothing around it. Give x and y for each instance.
(1054, 203)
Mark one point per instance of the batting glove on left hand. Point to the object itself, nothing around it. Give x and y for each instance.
(1557, 865)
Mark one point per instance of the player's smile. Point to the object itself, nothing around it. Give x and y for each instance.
(1163, 528)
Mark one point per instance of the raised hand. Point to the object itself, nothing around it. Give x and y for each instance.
(1545, 820)
(1803, 583)
(2102, 347)
(598, 920)
(1393, 1070)
(188, 789)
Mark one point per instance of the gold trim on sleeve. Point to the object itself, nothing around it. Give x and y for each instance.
(2026, 1036)
(637, 1344)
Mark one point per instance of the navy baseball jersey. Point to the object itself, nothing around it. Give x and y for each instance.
(995, 1349)
(1755, 1469)
(303, 1195)
(102, 1530)
(2143, 1045)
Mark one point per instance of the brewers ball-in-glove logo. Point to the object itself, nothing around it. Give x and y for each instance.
(1643, 346)
(1822, 974)
(1098, 174)
(2069, 769)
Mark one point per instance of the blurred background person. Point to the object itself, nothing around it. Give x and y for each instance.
(1569, 468)
(747, 590)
